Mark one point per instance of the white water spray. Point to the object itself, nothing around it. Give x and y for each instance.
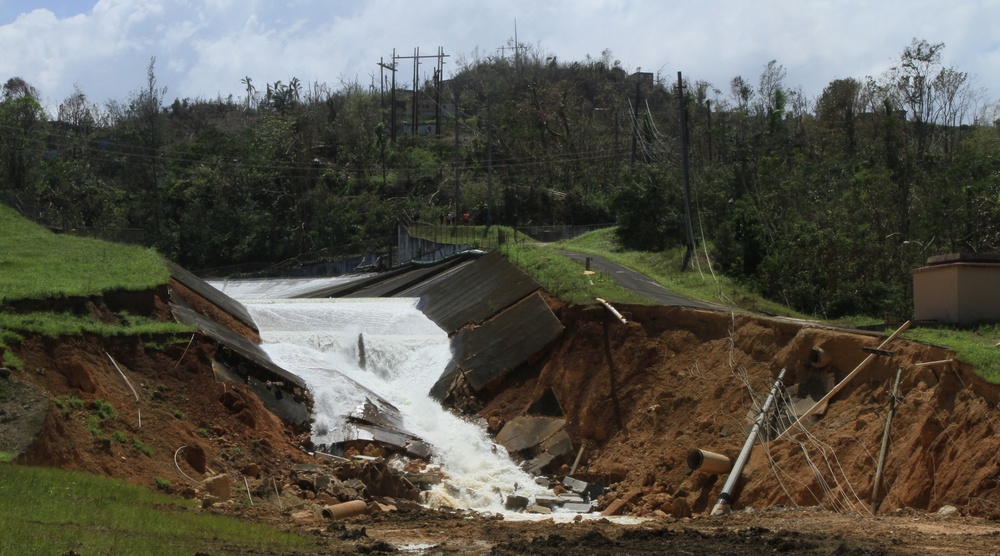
(404, 354)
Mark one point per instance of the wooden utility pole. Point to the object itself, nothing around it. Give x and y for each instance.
(438, 76)
(382, 67)
(635, 119)
(688, 227)
(885, 442)
(489, 161)
(414, 113)
(392, 99)
(458, 157)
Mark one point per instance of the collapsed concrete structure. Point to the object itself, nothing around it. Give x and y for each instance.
(492, 311)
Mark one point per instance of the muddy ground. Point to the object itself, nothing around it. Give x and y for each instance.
(637, 398)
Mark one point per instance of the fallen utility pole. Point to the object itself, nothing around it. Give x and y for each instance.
(885, 441)
(844, 382)
(722, 506)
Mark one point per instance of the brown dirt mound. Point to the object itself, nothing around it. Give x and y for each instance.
(640, 397)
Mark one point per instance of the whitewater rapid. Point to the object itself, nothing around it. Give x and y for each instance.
(347, 349)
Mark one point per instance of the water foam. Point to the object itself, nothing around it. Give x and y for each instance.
(404, 353)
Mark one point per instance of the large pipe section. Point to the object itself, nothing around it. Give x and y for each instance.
(345, 509)
(722, 505)
(708, 462)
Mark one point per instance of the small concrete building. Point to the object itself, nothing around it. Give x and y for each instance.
(958, 288)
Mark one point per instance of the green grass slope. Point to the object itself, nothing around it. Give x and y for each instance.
(37, 264)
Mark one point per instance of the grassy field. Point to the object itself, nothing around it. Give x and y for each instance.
(50, 511)
(37, 264)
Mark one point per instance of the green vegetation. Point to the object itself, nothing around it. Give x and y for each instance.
(161, 483)
(10, 359)
(52, 325)
(37, 264)
(821, 205)
(7, 457)
(93, 424)
(124, 438)
(67, 404)
(976, 347)
(49, 511)
(700, 281)
(103, 409)
(566, 279)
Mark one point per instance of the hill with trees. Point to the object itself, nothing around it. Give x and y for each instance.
(823, 204)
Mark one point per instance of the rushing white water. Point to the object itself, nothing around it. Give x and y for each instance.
(404, 355)
(273, 288)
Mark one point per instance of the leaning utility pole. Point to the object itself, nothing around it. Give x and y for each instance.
(688, 227)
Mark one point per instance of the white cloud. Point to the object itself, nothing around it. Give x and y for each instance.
(204, 48)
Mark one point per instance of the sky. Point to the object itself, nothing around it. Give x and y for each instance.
(203, 49)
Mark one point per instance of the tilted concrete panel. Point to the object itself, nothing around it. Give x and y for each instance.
(473, 293)
(488, 352)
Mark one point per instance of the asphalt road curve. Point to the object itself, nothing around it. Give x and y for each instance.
(639, 283)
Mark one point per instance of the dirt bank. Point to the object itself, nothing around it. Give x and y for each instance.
(637, 398)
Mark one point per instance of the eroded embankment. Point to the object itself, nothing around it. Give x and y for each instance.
(639, 397)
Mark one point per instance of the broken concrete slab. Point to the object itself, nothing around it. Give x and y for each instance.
(559, 444)
(548, 501)
(516, 503)
(536, 509)
(578, 507)
(537, 465)
(575, 485)
(527, 431)
(488, 352)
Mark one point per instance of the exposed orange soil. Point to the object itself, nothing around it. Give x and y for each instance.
(638, 397)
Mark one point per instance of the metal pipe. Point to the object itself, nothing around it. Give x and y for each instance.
(885, 441)
(722, 505)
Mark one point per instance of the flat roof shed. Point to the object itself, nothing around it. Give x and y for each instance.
(958, 288)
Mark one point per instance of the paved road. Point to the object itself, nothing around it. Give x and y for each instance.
(640, 283)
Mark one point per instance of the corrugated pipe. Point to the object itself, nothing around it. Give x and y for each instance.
(722, 506)
(708, 462)
(819, 357)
